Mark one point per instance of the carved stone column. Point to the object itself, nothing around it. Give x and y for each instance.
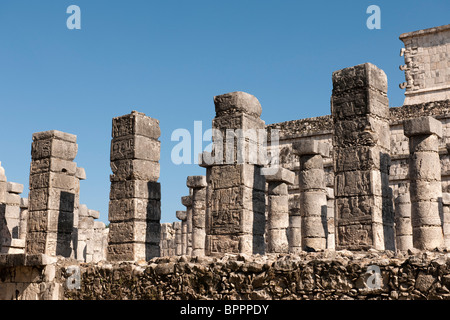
(135, 197)
(361, 154)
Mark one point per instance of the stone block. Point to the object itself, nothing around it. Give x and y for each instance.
(93, 214)
(53, 199)
(23, 203)
(279, 203)
(136, 123)
(446, 198)
(282, 175)
(135, 147)
(312, 179)
(428, 237)
(13, 187)
(55, 180)
(361, 158)
(277, 188)
(359, 77)
(422, 190)
(311, 147)
(134, 231)
(424, 143)
(422, 126)
(53, 165)
(186, 201)
(181, 215)
(141, 209)
(12, 199)
(237, 102)
(50, 221)
(196, 182)
(227, 176)
(135, 189)
(425, 166)
(135, 170)
(80, 173)
(53, 148)
(132, 251)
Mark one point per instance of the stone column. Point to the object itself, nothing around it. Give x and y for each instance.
(135, 197)
(403, 227)
(167, 240)
(425, 176)
(98, 243)
(198, 185)
(361, 154)
(313, 195)
(446, 219)
(54, 191)
(23, 218)
(331, 226)
(187, 202)
(178, 239)
(278, 212)
(236, 188)
(183, 217)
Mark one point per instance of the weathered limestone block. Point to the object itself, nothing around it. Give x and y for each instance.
(425, 177)
(403, 227)
(54, 194)
(134, 208)
(361, 157)
(278, 211)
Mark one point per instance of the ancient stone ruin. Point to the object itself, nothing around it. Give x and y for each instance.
(367, 181)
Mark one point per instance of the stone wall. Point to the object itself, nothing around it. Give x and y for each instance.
(328, 275)
(427, 64)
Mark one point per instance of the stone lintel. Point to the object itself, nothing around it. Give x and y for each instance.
(282, 175)
(422, 126)
(196, 182)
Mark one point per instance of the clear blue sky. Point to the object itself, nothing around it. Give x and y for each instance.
(169, 58)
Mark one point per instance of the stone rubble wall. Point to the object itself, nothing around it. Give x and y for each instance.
(327, 275)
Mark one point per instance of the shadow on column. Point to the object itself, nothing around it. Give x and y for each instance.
(387, 204)
(65, 224)
(153, 217)
(5, 235)
(259, 218)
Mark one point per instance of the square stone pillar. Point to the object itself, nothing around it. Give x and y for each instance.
(236, 188)
(361, 154)
(54, 193)
(135, 197)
